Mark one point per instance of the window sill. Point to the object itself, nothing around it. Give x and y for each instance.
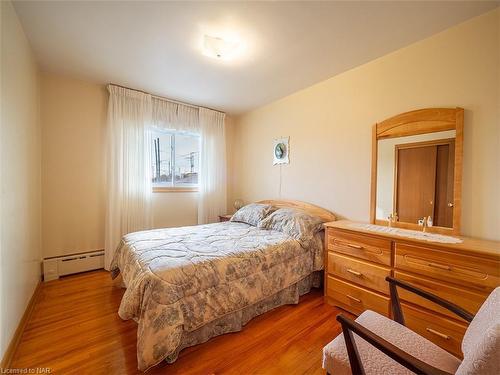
(164, 189)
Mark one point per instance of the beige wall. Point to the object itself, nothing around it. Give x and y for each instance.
(329, 125)
(73, 116)
(175, 209)
(20, 249)
(230, 143)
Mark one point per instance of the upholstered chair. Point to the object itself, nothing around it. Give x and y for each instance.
(374, 344)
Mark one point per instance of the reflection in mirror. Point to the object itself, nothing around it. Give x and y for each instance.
(415, 178)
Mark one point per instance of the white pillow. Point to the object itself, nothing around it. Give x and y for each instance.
(294, 222)
(252, 213)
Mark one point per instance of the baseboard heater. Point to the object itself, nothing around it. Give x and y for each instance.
(55, 267)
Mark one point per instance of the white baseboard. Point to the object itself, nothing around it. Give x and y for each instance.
(55, 267)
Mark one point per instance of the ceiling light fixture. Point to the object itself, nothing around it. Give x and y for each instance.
(219, 48)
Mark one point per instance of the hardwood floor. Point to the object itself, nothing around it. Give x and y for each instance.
(75, 329)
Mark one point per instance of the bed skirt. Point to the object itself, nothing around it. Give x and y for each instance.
(235, 321)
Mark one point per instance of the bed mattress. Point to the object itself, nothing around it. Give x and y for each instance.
(180, 279)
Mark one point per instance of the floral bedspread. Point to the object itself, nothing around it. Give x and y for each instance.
(179, 279)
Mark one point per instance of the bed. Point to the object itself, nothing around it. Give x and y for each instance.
(188, 284)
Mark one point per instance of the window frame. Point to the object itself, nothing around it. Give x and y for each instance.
(173, 188)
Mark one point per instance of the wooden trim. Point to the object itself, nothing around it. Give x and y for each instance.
(373, 185)
(312, 209)
(325, 264)
(428, 120)
(395, 179)
(421, 121)
(457, 185)
(16, 338)
(434, 142)
(173, 189)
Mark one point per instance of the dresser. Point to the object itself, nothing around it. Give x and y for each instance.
(358, 261)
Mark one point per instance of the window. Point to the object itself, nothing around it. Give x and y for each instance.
(175, 160)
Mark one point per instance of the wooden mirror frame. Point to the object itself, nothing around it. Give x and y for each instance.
(428, 120)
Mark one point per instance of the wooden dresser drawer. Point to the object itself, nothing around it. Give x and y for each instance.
(360, 246)
(356, 299)
(468, 300)
(359, 272)
(443, 332)
(469, 271)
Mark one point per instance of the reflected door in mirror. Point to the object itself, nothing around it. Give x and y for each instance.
(424, 181)
(417, 170)
(443, 208)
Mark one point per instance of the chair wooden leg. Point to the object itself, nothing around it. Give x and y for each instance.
(396, 305)
(352, 351)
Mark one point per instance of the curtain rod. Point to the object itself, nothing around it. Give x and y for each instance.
(167, 99)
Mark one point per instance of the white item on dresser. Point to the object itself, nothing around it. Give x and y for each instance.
(426, 236)
(53, 268)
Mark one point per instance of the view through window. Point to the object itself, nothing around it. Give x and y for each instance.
(175, 159)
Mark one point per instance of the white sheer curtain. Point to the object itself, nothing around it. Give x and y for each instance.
(175, 116)
(212, 180)
(128, 166)
(210, 125)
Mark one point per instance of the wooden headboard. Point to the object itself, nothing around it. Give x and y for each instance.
(309, 208)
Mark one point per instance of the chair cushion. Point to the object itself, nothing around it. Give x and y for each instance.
(483, 360)
(486, 316)
(336, 360)
(481, 343)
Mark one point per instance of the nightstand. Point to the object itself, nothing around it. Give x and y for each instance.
(224, 218)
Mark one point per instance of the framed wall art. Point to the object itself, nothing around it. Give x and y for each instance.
(281, 151)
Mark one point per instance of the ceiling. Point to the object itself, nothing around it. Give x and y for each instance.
(286, 46)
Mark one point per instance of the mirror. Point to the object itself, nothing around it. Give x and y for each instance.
(416, 170)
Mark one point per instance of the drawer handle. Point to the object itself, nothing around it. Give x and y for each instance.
(440, 266)
(434, 332)
(353, 298)
(355, 273)
(354, 246)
